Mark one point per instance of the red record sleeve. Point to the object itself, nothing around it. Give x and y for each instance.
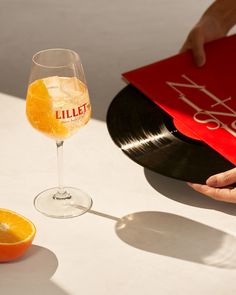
(202, 100)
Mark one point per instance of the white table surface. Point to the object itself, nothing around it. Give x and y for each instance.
(146, 233)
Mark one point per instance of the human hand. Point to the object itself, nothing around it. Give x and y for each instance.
(208, 28)
(219, 186)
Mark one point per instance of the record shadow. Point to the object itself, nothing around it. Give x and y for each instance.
(31, 274)
(178, 237)
(179, 191)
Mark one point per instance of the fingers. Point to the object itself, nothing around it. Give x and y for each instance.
(195, 42)
(220, 194)
(216, 186)
(222, 179)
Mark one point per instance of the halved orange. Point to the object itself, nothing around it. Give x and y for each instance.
(16, 235)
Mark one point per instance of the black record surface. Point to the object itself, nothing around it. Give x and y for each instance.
(147, 135)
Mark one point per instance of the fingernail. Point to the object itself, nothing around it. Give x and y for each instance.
(200, 62)
(212, 181)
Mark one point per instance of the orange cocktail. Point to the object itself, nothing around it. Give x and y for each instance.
(58, 106)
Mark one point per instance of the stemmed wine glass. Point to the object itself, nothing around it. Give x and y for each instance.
(58, 105)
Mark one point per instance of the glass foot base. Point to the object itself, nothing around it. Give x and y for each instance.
(71, 203)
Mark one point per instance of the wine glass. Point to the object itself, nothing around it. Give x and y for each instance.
(58, 105)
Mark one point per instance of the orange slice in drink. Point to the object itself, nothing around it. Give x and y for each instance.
(40, 112)
(16, 235)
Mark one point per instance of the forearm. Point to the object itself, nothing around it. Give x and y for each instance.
(224, 11)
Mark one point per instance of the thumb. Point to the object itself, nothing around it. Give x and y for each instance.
(198, 51)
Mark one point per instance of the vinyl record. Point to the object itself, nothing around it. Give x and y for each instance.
(147, 135)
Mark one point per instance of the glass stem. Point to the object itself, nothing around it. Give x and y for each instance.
(61, 189)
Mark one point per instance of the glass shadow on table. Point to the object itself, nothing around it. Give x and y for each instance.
(31, 274)
(179, 191)
(178, 237)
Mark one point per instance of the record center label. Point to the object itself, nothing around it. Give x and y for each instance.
(184, 130)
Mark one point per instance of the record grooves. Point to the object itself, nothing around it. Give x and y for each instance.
(147, 135)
